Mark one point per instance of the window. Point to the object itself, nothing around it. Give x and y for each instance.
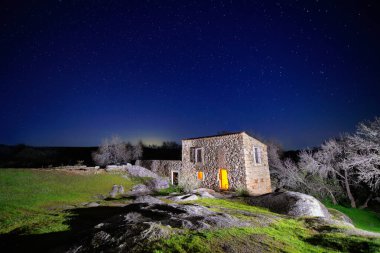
(257, 155)
(199, 155)
(200, 175)
(196, 155)
(192, 155)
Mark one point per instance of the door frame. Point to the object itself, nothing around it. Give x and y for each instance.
(171, 176)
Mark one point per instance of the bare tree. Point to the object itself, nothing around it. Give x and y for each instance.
(331, 162)
(299, 177)
(364, 153)
(319, 183)
(137, 150)
(276, 166)
(112, 151)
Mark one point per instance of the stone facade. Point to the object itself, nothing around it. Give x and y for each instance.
(243, 157)
(232, 152)
(161, 167)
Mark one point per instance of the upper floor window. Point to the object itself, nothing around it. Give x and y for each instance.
(257, 155)
(196, 155)
(199, 155)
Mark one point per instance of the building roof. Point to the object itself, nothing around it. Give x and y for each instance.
(217, 135)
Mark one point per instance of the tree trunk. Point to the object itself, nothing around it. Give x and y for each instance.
(365, 205)
(333, 198)
(349, 194)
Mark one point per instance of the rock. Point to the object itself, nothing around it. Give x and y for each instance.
(147, 199)
(157, 184)
(141, 223)
(340, 217)
(115, 168)
(114, 192)
(291, 203)
(139, 190)
(186, 197)
(207, 195)
(92, 204)
(201, 190)
(120, 189)
(138, 171)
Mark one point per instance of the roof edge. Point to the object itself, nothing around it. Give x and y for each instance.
(216, 135)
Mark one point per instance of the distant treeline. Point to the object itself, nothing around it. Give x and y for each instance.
(23, 156)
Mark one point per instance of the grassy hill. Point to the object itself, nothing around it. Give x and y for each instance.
(33, 214)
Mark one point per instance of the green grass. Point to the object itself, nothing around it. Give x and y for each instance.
(282, 235)
(171, 189)
(286, 235)
(362, 218)
(31, 201)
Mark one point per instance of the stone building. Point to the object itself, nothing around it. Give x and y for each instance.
(227, 162)
(221, 162)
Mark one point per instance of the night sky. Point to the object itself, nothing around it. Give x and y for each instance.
(75, 72)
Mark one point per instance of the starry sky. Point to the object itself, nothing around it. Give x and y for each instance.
(75, 72)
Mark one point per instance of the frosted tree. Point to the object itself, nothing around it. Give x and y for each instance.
(330, 162)
(319, 182)
(112, 151)
(364, 155)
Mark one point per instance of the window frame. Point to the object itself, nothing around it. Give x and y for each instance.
(257, 159)
(203, 175)
(172, 179)
(196, 155)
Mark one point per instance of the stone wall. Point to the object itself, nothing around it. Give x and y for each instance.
(218, 152)
(161, 167)
(257, 175)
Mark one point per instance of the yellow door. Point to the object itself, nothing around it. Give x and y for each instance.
(223, 179)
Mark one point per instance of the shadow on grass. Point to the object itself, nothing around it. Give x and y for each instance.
(82, 220)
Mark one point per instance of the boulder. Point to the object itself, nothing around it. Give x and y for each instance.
(115, 168)
(120, 189)
(114, 192)
(291, 203)
(147, 199)
(141, 223)
(139, 190)
(92, 204)
(157, 184)
(207, 195)
(186, 197)
(138, 171)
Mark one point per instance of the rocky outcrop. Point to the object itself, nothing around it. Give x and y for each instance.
(291, 203)
(139, 190)
(157, 184)
(142, 223)
(138, 171)
(147, 199)
(186, 197)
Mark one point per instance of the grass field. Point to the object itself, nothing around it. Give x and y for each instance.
(282, 235)
(31, 201)
(362, 218)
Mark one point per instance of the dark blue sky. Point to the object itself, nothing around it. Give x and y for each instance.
(75, 72)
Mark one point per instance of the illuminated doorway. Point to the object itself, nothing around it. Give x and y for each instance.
(223, 179)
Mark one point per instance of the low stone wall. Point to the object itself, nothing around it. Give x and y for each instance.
(161, 167)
